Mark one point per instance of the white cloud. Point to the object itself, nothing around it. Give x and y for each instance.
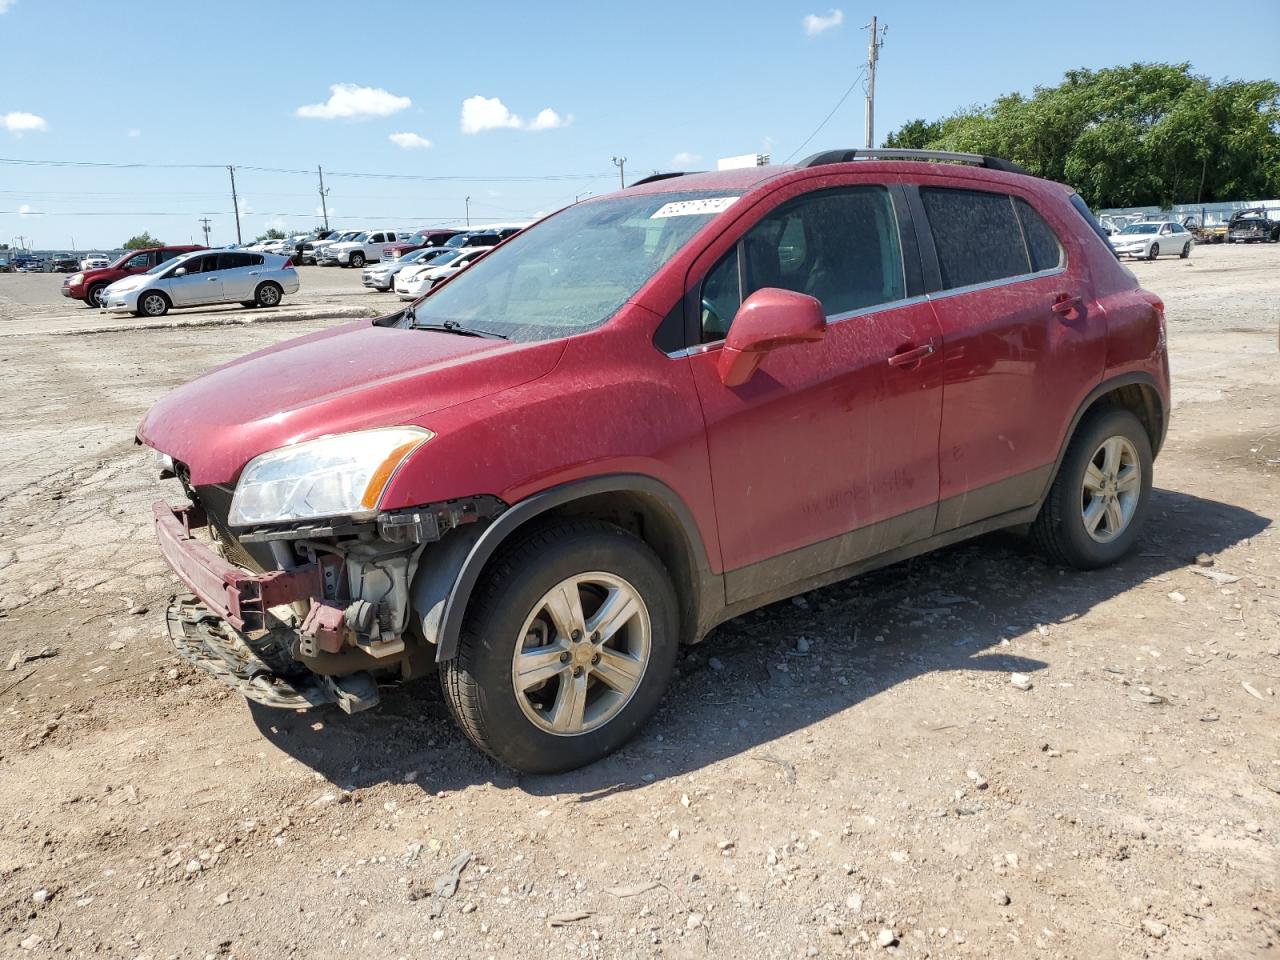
(409, 141)
(19, 122)
(349, 102)
(548, 119)
(135, 132)
(683, 159)
(490, 113)
(5, 5)
(814, 24)
(320, 211)
(486, 113)
(26, 211)
(245, 206)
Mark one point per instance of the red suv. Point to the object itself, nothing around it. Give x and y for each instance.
(88, 285)
(426, 237)
(651, 412)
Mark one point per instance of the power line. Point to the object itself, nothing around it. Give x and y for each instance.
(442, 178)
(839, 104)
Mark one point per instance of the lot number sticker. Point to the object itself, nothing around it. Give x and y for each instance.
(693, 208)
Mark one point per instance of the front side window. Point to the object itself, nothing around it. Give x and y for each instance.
(976, 235)
(839, 246)
(376, 238)
(139, 261)
(574, 270)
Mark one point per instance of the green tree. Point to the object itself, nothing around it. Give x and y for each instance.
(1137, 135)
(272, 234)
(142, 241)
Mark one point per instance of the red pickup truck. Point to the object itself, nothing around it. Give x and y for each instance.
(88, 285)
(427, 237)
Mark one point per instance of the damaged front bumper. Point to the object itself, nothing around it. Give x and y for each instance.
(338, 609)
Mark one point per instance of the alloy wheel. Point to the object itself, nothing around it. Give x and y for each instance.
(582, 653)
(153, 305)
(1111, 489)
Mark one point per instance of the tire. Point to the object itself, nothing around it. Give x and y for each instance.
(510, 610)
(153, 303)
(1186, 250)
(1060, 532)
(1154, 252)
(357, 260)
(268, 294)
(91, 301)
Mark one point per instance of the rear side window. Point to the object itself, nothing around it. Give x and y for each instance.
(234, 261)
(976, 234)
(1082, 208)
(1042, 243)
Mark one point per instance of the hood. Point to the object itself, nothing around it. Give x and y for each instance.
(353, 377)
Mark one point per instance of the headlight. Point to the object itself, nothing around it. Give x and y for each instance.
(76, 278)
(334, 476)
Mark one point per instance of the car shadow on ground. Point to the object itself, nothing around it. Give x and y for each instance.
(766, 674)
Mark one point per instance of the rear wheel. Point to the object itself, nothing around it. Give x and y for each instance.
(1154, 252)
(268, 294)
(567, 648)
(153, 303)
(1099, 498)
(1186, 250)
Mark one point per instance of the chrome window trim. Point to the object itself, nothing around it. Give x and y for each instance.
(991, 284)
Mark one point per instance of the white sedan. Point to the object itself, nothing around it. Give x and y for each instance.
(1149, 240)
(204, 277)
(413, 282)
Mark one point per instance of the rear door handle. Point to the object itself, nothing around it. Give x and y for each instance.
(1064, 304)
(908, 357)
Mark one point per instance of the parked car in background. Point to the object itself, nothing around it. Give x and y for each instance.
(1150, 239)
(426, 237)
(1253, 226)
(382, 275)
(654, 411)
(89, 285)
(65, 263)
(203, 278)
(95, 261)
(306, 251)
(415, 281)
(4, 264)
(365, 247)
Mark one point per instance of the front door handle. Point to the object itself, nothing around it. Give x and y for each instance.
(213, 279)
(908, 357)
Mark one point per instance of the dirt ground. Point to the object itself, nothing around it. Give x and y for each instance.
(830, 774)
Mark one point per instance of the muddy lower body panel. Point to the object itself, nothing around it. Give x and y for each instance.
(208, 642)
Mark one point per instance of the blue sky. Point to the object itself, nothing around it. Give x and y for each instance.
(552, 89)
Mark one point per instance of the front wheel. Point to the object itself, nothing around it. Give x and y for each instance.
(153, 303)
(357, 260)
(1099, 498)
(97, 297)
(567, 647)
(1154, 252)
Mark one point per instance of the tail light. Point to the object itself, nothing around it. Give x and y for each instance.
(288, 264)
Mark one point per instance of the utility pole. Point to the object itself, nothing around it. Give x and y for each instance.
(621, 164)
(873, 54)
(235, 202)
(205, 221)
(468, 211)
(324, 206)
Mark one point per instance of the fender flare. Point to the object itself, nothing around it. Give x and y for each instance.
(494, 535)
(1106, 386)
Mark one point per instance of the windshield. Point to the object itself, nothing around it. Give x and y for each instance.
(573, 271)
(1140, 228)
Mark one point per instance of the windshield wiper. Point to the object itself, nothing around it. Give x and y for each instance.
(453, 326)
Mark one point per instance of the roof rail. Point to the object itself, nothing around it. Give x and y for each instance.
(891, 153)
(655, 177)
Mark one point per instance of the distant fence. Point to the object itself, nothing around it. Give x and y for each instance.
(1209, 214)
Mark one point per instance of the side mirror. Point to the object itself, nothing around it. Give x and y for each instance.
(768, 319)
(180, 272)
